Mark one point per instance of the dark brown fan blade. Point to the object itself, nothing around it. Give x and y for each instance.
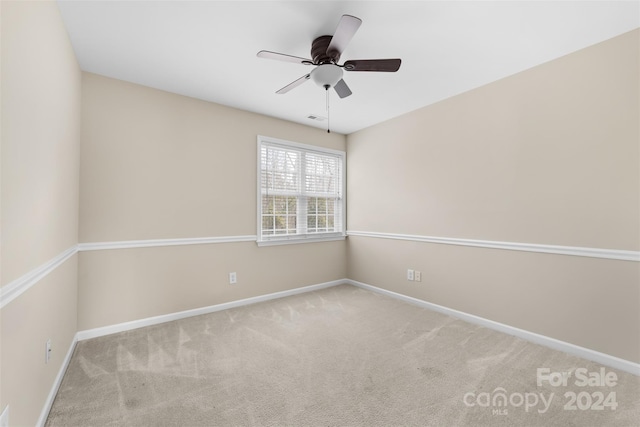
(347, 27)
(282, 57)
(294, 84)
(387, 65)
(342, 89)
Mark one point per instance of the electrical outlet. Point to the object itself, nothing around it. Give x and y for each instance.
(409, 274)
(47, 354)
(233, 278)
(417, 276)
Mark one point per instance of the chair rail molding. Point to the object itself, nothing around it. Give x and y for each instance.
(15, 288)
(616, 254)
(130, 244)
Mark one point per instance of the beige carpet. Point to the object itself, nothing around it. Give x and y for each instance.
(342, 356)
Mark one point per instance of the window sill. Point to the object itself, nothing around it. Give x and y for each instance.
(296, 240)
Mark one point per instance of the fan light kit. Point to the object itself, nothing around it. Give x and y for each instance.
(326, 75)
(326, 51)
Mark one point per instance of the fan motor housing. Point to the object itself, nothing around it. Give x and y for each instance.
(319, 51)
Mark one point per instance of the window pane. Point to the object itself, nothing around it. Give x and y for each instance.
(291, 223)
(279, 205)
(292, 203)
(321, 215)
(279, 215)
(322, 205)
(280, 222)
(267, 205)
(267, 222)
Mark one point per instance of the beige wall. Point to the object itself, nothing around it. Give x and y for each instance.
(45, 311)
(41, 84)
(547, 156)
(129, 284)
(156, 165)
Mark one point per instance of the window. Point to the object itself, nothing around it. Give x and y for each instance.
(300, 192)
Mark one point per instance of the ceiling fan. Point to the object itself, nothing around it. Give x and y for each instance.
(326, 51)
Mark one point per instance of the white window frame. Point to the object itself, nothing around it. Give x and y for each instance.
(302, 236)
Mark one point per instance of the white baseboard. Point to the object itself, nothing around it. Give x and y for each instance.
(135, 324)
(585, 353)
(56, 384)
(108, 330)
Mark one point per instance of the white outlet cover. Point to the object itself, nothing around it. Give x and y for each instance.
(47, 351)
(409, 274)
(4, 418)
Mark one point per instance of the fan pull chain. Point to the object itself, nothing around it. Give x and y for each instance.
(326, 88)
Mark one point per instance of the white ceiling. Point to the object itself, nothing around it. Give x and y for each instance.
(207, 49)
